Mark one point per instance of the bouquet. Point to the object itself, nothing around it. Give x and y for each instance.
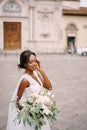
(36, 108)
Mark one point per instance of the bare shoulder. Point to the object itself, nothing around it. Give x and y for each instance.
(24, 83)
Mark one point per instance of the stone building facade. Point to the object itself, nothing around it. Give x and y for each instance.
(44, 26)
(74, 26)
(31, 24)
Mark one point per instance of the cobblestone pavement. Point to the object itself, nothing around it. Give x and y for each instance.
(68, 74)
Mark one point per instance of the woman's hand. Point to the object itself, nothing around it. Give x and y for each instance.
(38, 65)
(46, 81)
(19, 106)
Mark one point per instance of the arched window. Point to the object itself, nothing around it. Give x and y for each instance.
(71, 27)
(11, 7)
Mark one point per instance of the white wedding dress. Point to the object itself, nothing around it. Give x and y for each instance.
(34, 87)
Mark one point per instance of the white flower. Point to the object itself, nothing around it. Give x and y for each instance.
(52, 96)
(49, 93)
(47, 100)
(40, 99)
(45, 110)
(22, 101)
(43, 93)
(34, 95)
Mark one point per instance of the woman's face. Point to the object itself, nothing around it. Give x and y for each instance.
(31, 63)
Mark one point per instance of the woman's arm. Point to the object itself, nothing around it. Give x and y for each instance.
(24, 84)
(43, 77)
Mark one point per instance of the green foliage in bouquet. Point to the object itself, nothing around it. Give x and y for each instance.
(36, 108)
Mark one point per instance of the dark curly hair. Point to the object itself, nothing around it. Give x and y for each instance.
(24, 57)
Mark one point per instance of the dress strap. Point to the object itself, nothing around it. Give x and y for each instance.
(30, 79)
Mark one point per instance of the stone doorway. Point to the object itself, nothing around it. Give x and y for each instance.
(71, 44)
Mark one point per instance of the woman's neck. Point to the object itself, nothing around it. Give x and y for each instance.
(29, 72)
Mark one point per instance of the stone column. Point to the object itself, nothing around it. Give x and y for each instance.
(31, 20)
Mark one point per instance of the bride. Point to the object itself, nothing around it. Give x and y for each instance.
(32, 81)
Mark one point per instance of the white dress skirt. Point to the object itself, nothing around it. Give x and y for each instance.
(34, 87)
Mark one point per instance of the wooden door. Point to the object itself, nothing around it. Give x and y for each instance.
(12, 35)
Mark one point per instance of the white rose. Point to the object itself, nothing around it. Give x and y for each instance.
(46, 110)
